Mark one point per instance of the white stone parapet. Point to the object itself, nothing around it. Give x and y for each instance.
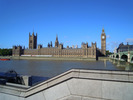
(76, 84)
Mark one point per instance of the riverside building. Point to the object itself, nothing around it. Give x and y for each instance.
(124, 48)
(59, 51)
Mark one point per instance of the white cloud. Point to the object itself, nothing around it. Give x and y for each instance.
(112, 45)
(130, 40)
(87, 37)
(67, 41)
(65, 37)
(108, 44)
(115, 44)
(108, 36)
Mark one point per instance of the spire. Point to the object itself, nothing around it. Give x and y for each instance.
(103, 30)
(56, 41)
(56, 37)
(33, 31)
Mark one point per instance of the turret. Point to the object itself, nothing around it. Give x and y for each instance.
(84, 45)
(17, 51)
(32, 41)
(39, 46)
(60, 46)
(103, 42)
(56, 42)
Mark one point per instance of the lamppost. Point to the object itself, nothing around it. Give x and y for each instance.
(128, 53)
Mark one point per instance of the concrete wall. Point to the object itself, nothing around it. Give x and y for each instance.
(76, 85)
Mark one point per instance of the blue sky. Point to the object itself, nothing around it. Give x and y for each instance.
(75, 21)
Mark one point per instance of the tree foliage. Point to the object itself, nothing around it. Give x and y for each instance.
(5, 52)
(108, 53)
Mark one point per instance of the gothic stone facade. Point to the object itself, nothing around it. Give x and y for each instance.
(59, 50)
(124, 48)
(103, 43)
(32, 41)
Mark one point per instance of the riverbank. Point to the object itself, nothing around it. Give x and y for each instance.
(53, 58)
(8, 57)
(103, 58)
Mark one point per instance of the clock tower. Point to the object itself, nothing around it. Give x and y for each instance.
(103, 42)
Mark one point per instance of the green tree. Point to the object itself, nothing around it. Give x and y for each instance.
(5, 52)
(108, 53)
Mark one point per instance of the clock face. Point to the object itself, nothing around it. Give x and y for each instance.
(103, 37)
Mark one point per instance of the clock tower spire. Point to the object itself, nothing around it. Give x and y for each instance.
(103, 43)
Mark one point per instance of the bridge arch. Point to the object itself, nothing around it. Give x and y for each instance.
(124, 57)
(117, 56)
(113, 56)
(131, 60)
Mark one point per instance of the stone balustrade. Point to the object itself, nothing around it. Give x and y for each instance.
(76, 84)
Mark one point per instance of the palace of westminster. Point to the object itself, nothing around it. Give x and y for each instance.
(59, 51)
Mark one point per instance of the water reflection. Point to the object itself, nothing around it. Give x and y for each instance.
(105, 63)
(122, 64)
(53, 68)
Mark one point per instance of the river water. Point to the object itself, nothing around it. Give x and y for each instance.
(52, 68)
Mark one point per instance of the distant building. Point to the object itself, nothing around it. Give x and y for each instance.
(124, 48)
(115, 50)
(103, 42)
(59, 51)
(32, 41)
(56, 42)
(17, 51)
(76, 46)
(73, 46)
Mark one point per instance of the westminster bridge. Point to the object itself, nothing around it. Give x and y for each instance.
(123, 56)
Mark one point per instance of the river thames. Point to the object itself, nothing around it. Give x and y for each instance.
(52, 68)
